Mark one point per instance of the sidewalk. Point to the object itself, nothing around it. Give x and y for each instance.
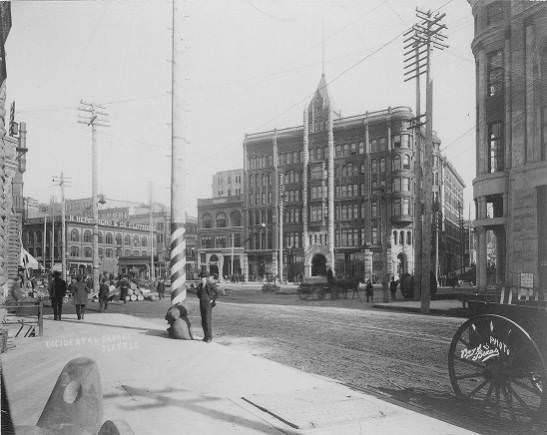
(164, 386)
(450, 307)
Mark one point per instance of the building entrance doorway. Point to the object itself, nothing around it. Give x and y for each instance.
(402, 265)
(318, 265)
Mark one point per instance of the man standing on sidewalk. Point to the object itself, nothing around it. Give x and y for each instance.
(57, 292)
(207, 294)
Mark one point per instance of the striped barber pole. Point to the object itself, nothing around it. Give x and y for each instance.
(178, 261)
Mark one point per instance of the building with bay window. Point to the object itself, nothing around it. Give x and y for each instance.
(510, 187)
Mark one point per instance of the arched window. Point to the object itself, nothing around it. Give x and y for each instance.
(221, 220)
(127, 253)
(394, 237)
(118, 252)
(74, 251)
(109, 239)
(408, 238)
(101, 252)
(406, 161)
(136, 241)
(396, 163)
(74, 235)
(235, 218)
(144, 253)
(118, 239)
(88, 252)
(144, 241)
(136, 253)
(127, 240)
(101, 237)
(109, 253)
(402, 237)
(207, 221)
(87, 236)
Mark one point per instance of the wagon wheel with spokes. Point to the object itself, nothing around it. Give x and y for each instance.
(495, 365)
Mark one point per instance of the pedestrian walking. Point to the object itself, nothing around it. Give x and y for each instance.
(369, 291)
(207, 294)
(161, 288)
(81, 290)
(57, 291)
(103, 295)
(393, 288)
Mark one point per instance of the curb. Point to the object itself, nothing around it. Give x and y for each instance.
(454, 312)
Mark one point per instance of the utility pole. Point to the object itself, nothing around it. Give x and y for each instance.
(178, 156)
(232, 258)
(44, 241)
(94, 115)
(62, 181)
(281, 213)
(419, 40)
(151, 225)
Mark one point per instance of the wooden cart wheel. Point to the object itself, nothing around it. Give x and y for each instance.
(495, 365)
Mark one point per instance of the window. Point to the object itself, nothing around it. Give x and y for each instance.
(382, 165)
(406, 161)
(396, 163)
(144, 241)
(394, 237)
(353, 149)
(495, 147)
(87, 236)
(109, 239)
(235, 218)
(101, 237)
(206, 242)
(220, 242)
(405, 184)
(136, 240)
(374, 209)
(74, 236)
(396, 207)
(494, 13)
(374, 236)
(127, 239)
(408, 238)
(405, 209)
(495, 73)
(396, 185)
(222, 220)
(118, 239)
(206, 221)
(374, 164)
(74, 251)
(361, 148)
(88, 253)
(109, 253)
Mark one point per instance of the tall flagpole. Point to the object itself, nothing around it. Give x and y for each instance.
(178, 155)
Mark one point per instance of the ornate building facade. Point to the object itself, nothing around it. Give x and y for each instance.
(510, 188)
(333, 193)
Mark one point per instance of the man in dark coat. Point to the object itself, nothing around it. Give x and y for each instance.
(124, 288)
(57, 292)
(80, 292)
(103, 295)
(207, 294)
(393, 288)
(369, 291)
(161, 288)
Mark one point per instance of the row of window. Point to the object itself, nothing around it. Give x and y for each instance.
(87, 252)
(221, 220)
(340, 150)
(87, 237)
(237, 179)
(221, 241)
(229, 192)
(292, 216)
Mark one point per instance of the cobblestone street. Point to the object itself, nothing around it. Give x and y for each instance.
(396, 356)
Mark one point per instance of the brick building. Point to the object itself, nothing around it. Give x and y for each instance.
(220, 233)
(510, 188)
(116, 241)
(227, 183)
(346, 187)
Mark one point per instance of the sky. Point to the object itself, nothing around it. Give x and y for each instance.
(251, 65)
